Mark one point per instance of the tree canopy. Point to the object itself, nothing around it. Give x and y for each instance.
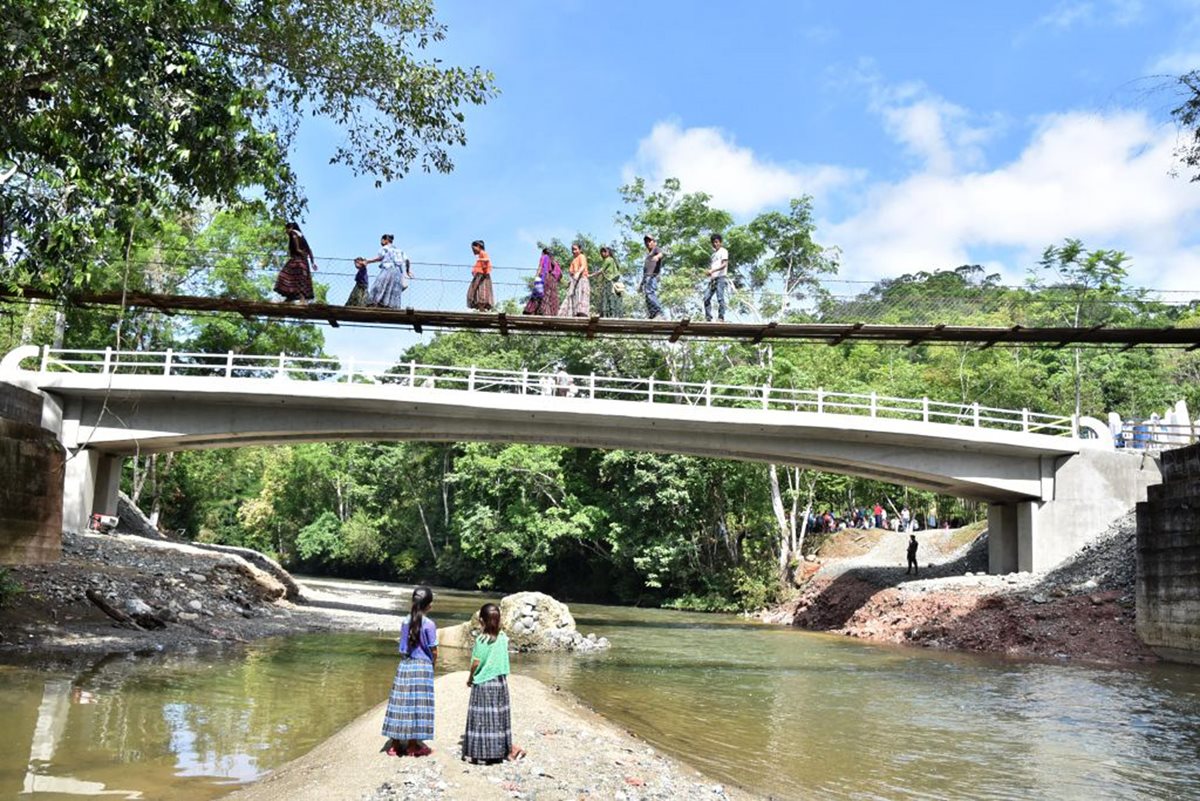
(115, 113)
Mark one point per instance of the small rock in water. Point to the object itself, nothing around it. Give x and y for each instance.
(195, 605)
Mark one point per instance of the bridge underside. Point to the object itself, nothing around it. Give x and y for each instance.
(1046, 497)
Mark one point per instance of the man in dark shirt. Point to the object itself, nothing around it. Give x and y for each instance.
(650, 270)
(912, 556)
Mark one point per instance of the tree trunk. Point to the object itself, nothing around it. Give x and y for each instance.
(785, 536)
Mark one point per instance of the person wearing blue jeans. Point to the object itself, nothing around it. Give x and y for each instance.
(718, 272)
(651, 268)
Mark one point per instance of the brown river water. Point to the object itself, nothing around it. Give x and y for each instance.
(777, 710)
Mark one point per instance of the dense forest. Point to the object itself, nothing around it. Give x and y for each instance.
(613, 525)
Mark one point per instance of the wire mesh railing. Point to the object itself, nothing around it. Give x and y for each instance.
(415, 375)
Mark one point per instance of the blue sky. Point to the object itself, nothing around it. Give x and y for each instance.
(929, 134)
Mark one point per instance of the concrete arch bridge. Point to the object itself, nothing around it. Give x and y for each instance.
(1052, 482)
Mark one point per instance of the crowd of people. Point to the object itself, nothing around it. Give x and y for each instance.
(600, 291)
(874, 517)
(408, 722)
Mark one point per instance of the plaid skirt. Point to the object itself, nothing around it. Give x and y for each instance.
(409, 713)
(479, 294)
(489, 721)
(295, 281)
(358, 296)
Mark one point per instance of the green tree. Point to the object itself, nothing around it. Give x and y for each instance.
(120, 111)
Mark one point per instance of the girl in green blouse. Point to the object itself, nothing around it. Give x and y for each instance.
(489, 720)
(608, 302)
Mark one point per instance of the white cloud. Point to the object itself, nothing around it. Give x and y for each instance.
(1101, 177)
(1069, 13)
(707, 160)
(938, 132)
(1177, 63)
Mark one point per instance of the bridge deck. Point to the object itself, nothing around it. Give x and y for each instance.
(673, 330)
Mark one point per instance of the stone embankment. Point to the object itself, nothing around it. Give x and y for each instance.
(572, 753)
(1084, 609)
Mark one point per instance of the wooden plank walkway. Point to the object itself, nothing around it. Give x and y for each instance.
(421, 320)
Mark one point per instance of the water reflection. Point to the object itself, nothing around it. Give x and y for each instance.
(792, 714)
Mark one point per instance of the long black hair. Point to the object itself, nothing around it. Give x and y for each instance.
(489, 616)
(422, 599)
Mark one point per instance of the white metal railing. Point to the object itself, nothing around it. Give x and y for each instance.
(522, 382)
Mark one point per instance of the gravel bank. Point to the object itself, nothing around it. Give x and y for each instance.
(1083, 609)
(572, 754)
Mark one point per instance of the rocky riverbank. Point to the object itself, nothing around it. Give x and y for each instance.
(178, 596)
(1084, 609)
(572, 753)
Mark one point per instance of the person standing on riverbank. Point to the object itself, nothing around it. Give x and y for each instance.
(912, 556)
(408, 721)
(479, 295)
(488, 736)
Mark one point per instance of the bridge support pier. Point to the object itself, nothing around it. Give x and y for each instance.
(90, 486)
(1083, 495)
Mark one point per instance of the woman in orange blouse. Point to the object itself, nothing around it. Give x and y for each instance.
(479, 296)
(579, 293)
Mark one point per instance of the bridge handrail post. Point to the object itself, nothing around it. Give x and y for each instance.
(1075, 426)
(412, 372)
(925, 409)
(524, 380)
(766, 396)
(708, 393)
(229, 364)
(279, 372)
(45, 358)
(167, 361)
(820, 400)
(107, 360)
(650, 391)
(471, 379)
(592, 386)
(975, 412)
(350, 371)
(1025, 420)
(874, 404)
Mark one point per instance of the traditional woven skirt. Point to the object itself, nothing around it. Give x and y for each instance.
(549, 302)
(358, 296)
(409, 713)
(479, 295)
(579, 298)
(295, 281)
(489, 721)
(388, 288)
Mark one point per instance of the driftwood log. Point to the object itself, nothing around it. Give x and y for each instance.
(139, 622)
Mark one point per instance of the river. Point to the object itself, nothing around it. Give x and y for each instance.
(774, 709)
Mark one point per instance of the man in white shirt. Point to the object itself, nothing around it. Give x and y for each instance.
(718, 271)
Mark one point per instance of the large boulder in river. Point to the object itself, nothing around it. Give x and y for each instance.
(534, 622)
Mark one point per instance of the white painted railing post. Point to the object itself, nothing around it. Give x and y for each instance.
(708, 393)
(412, 373)
(874, 403)
(1025, 420)
(167, 362)
(650, 391)
(524, 380)
(471, 379)
(279, 373)
(350, 371)
(766, 396)
(45, 358)
(975, 412)
(820, 400)
(1075, 426)
(107, 360)
(592, 386)
(925, 410)
(229, 364)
